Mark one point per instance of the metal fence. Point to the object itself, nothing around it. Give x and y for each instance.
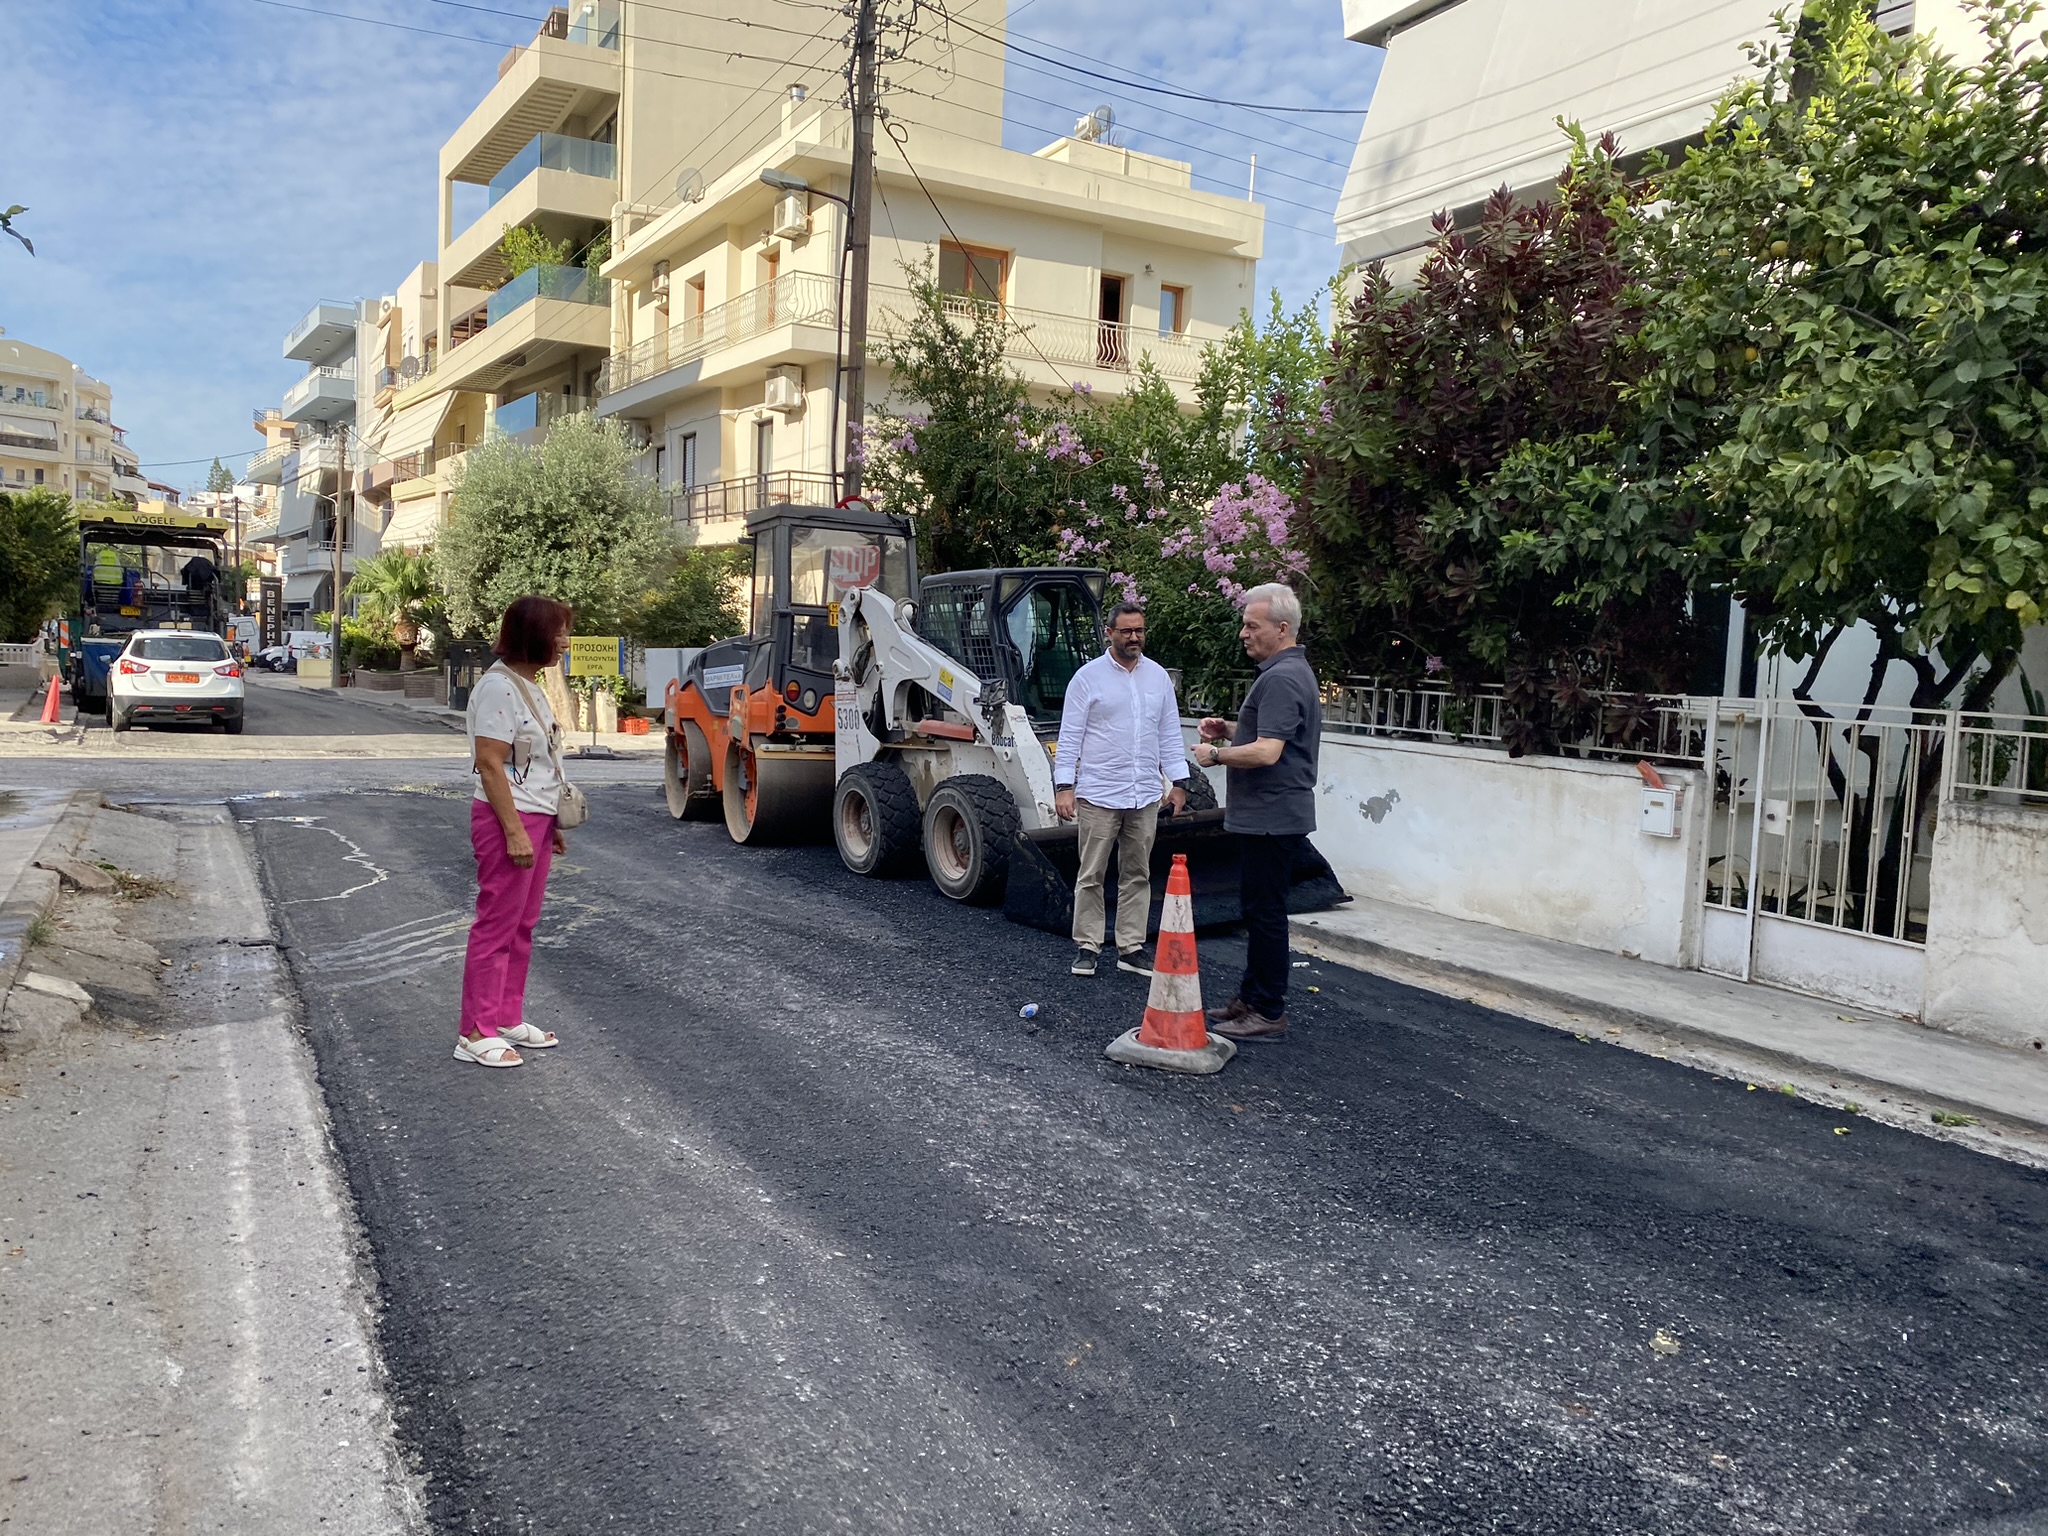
(728, 500)
(2000, 758)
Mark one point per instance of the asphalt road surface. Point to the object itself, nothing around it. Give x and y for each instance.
(803, 1229)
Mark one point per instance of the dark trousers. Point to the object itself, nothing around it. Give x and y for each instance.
(1266, 869)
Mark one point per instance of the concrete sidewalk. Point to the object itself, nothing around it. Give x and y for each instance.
(1913, 1069)
(456, 720)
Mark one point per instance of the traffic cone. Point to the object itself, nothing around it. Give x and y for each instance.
(51, 712)
(1175, 1036)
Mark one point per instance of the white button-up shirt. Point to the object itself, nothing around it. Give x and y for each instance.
(1119, 734)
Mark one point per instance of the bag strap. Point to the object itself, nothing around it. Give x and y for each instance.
(533, 708)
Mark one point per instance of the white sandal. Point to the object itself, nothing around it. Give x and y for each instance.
(532, 1036)
(487, 1051)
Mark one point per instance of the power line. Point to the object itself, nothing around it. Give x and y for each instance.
(1167, 90)
(903, 149)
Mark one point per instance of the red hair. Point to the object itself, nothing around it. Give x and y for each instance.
(531, 625)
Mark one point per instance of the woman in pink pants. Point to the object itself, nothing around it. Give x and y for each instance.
(512, 742)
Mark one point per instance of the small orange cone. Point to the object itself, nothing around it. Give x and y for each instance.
(1175, 1036)
(51, 713)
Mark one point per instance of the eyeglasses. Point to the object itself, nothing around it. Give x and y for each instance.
(1128, 634)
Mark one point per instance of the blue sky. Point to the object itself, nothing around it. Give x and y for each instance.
(199, 172)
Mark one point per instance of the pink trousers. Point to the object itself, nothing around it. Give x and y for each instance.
(508, 902)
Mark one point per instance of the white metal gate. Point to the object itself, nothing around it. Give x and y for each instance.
(1822, 837)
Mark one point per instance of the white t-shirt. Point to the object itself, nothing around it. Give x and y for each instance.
(498, 709)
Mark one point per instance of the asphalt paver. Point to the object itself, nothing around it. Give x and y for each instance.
(804, 1229)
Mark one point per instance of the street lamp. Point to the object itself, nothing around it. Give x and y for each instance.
(783, 181)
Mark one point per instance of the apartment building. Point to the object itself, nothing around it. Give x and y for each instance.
(725, 308)
(57, 429)
(614, 105)
(1471, 91)
(316, 425)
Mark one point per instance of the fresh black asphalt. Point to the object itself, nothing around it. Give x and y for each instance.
(804, 1229)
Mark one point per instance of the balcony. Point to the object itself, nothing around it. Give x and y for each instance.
(531, 415)
(570, 70)
(556, 152)
(558, 185)
(324, 394)
(326, 331)
(1059, 344)
(725, 501)
(94, 414)
(553, 307)
(15, 397)
(15, 438)
(267, 467)
(84, 454)
(795, 298)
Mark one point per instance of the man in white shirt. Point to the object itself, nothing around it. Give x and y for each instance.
(1120, 746)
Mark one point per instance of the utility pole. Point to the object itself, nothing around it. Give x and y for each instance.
(334, 616)
(862, 220)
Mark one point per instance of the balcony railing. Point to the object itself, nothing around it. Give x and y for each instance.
(556, 152)
(325, 313)
(593, 23)
(88, 455)
(9, 438)
(315, 378)
(94, 413)
(572, 285)
(725, 500)
(387, 378)
(541, 409)
(21, 394)
(1061, 340)
(795, 298)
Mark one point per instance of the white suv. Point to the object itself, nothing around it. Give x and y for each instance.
(175, 676)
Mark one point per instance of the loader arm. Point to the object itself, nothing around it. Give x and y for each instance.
(881, 660)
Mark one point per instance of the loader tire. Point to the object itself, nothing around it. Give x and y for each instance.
(874, 820)
(970, 826)
(686, 776)
(1201, 793)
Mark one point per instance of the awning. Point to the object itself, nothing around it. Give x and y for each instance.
(414, 427)
(303, 587)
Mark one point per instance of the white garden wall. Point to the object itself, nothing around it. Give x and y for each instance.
(1987, 923)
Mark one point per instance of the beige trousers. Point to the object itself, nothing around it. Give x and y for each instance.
(1130, 834)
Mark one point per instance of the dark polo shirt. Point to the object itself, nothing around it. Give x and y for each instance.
(1285, 704)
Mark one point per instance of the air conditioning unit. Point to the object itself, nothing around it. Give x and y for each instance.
(660, 283)
(384, 308)
(792, 217)
(785, 389)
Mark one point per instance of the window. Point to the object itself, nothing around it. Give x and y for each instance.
(973, 271)
(178, 648)
(685, 467)
(1173, 310)
(39, 476)
(764, 454)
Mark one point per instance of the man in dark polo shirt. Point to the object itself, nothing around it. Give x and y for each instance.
(1271, 804)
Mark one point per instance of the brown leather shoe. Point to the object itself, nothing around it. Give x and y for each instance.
(1251, 1025)
(1230, 1012)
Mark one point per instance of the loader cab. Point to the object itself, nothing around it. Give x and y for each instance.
(1031, 628)
(805, 560)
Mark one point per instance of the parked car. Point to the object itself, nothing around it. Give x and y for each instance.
(166, 676)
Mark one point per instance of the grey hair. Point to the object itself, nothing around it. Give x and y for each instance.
(1282, 606)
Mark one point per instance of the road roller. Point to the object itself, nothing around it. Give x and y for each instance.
(750, 721)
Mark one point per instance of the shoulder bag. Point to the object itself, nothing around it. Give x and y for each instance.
(574, 807)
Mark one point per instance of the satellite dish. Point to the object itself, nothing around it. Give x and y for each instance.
(409, 369)
(1094, 128)
(690, 185)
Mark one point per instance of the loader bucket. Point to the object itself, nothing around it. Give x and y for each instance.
(1045, 863)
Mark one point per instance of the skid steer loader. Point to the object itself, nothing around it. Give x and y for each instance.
(946, 722)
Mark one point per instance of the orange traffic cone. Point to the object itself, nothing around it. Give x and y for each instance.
(51, 713)
(1174, 1037)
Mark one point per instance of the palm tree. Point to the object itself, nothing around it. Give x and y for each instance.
(396, 588)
